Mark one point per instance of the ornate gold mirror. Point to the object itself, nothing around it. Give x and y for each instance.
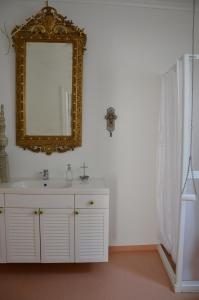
(49, 60)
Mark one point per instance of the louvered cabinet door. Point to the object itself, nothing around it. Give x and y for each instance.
(91, 235)
(57, 235)
(2, 236)
(22, 235)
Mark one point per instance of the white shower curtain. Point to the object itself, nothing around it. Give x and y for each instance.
(169, 158)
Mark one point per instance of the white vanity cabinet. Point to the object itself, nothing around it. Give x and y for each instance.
(54, 228)
(2, 231)
(38, 232)
(29, 231)
(22, 235)
(91, 228)
(57, 235)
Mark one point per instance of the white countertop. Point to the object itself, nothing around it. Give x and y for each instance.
(91, 186)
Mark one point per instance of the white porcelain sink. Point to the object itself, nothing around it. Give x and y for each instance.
(52, 184)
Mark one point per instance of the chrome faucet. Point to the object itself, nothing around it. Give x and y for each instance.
(45, 174)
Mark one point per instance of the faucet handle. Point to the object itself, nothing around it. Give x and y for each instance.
(45, 174)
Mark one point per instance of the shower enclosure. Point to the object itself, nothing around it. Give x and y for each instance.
(178, 174)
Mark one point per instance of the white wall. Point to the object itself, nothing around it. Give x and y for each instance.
(128, 48)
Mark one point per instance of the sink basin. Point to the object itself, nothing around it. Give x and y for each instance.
(52, 184)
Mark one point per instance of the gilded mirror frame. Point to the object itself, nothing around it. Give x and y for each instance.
(48, 26)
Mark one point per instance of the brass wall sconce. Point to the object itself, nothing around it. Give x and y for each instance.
(110, 118)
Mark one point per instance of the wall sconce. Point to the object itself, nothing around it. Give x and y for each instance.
(110, 118)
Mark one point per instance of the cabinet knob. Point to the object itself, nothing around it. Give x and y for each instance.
(1, 211)
(36, 212)
(91, 202)
(76, 212)
(41, 212)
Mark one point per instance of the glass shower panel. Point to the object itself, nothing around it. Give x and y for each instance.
(191, 244)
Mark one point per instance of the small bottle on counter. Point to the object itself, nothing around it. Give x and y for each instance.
(69, 173)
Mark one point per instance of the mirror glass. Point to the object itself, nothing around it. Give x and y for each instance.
(48, 88)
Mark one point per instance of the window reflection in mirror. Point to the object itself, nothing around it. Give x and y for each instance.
(48, 88)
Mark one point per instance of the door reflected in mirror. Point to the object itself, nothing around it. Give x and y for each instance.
(48, 88)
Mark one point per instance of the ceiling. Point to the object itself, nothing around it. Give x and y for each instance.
(164, 4)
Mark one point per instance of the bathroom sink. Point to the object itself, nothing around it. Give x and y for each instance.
(52, 184)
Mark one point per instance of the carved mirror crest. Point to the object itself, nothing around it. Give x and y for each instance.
(49, 61)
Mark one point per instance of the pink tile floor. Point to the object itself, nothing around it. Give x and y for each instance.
(127, 276)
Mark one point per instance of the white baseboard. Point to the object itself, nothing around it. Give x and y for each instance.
(185, 286)
(189, 287)
(177, 288)
(166, 263)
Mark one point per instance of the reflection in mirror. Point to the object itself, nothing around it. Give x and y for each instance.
(48, 88)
